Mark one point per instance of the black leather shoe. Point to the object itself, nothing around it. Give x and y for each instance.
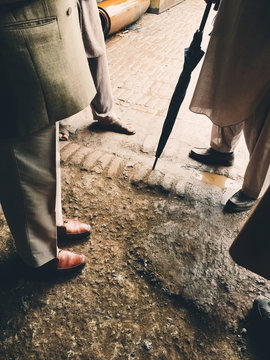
(258, 326)
(239, 202)
(211, 157)
(261, 308)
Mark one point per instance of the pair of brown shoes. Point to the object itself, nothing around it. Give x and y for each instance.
(68, 261)
(71, 230)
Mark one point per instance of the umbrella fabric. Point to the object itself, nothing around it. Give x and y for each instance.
(193, 55)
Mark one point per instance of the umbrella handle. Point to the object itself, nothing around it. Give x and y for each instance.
(205, 15)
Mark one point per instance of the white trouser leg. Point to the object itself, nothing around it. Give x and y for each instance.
(257, 136)
(226, 138)
(27, 194)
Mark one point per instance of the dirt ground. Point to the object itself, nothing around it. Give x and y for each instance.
(123, 305)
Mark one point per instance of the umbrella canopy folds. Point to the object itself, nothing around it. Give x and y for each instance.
(193, 55)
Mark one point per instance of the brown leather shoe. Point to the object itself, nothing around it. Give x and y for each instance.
(211, 157)
(73, 230)
(66, 262)
(69, 261)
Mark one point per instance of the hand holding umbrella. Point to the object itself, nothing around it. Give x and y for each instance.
(193, 55)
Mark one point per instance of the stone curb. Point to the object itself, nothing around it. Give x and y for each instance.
(139, 173)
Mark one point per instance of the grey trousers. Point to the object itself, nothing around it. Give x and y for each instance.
(102, 105)
(256, 131)
(28, 186)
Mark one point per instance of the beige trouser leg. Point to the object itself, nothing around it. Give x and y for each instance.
(27, 194)
(257, 136)
(225, 139)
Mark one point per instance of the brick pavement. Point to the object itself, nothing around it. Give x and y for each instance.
(145, 61)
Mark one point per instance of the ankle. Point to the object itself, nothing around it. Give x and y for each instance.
(224, 153)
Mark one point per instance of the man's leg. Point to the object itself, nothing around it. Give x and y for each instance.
(221, 153)
(67, 229)
(223, 142)
(95, 49)
(225, 139)
(27, 194)
(251, 246)
(102, 105)
(257, 136)
(93, 38)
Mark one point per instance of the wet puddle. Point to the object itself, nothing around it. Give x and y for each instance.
(213, 179)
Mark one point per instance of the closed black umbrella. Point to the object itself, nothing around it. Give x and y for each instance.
(193, 55)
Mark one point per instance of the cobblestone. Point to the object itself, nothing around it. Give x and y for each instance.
(102, 163)
(77, 157)
(63, 144)
(168, 182)
(155, 178)
(114, 167)
(180, 188)
(149, 145)
(90, 159)
(67, 151)
(139, 173)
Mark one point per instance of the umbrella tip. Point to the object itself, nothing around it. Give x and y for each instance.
(153, 168)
